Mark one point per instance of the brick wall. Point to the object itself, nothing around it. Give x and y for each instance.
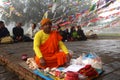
(13, 65)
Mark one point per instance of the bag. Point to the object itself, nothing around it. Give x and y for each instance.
(90, 58)
(71, 75)
(7, 39)
(89, 71)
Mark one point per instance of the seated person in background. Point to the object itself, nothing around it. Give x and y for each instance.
(74, 34)
(31, 31)
(18, 33)
(81, 34)
(3, 30)
(91, 34)
(4, 34)
(49, 49)
(63, 34)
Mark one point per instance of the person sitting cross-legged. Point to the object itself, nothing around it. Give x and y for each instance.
(18, 33)
(49, 49)
(31, 31)
(4, 34)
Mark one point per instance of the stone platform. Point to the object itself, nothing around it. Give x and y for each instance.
(107, 49)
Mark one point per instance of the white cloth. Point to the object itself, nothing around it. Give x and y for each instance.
(89, 33)
(74, 68)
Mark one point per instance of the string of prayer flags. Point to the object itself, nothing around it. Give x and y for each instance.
(5, 1)
(54, 7)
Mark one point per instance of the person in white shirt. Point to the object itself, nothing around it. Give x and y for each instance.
(31, 31)
(91, 34)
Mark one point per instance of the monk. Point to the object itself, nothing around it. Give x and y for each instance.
(50, 51)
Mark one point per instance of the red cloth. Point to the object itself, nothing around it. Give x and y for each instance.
(50, 52)
(89, 71)
(71, 76)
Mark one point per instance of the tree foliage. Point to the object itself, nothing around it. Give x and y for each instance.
(30, 10)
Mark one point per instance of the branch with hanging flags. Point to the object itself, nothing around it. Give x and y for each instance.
(115, 6)
(104, 3)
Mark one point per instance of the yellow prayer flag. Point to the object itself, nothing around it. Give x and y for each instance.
(12, 8)
(45, 15)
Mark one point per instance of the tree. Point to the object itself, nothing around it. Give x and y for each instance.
(29, 10)
(33, 10)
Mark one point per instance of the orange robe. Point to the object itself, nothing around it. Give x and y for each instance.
(50, 51)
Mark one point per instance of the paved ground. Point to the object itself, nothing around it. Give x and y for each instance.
(108, 50)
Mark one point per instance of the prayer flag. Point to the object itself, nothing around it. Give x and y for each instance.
(11, 9)
(6, 1)
(54, 0)
(100, 3)
(45, 15)
(54, 7)
(93, 7)
(107, 1)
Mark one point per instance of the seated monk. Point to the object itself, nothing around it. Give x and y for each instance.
(49, 49)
